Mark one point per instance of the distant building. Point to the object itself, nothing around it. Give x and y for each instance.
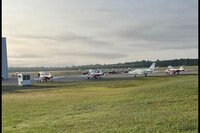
(4, 62)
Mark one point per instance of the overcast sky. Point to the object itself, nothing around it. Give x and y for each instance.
(78, 32)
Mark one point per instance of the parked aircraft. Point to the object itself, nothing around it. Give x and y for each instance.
(113, 71)
(16, 74)
(85, 72)
(143, 71)
(42, 76)
(170, 70)
(96, 74)
(127, 70)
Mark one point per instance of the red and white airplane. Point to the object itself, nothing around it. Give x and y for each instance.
(170, 70)
(96, 74)
(42, 76)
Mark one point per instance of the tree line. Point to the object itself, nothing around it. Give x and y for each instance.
(135, 64)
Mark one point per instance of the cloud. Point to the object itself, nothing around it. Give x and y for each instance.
(64, 38)
(94, 54)
(97, 55)
(163, 35)
(26, 56)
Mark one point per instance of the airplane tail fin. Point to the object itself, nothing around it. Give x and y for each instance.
(181, 68)
(152, 67)
(129, 69)
(170, 67)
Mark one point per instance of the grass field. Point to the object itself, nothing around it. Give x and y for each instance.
(142, 104)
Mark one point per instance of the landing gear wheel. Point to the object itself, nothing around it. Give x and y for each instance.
(145, 75)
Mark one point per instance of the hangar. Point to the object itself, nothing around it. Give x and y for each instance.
(4, 63)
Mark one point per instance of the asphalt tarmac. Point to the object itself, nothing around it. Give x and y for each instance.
(75, 78)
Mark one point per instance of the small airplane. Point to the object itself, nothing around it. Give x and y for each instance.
(85, 72)
(16, 74)
(96, 74)
(170, 70)
(141, 71)
(127, 70)
(113, 71)
(42, 76)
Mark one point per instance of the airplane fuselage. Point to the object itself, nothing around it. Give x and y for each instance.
(45, 78)
(95, 75)
(140, 72)
(173, 71)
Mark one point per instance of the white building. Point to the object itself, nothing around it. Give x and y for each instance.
(4, 62)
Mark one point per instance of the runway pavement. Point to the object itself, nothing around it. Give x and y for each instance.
(72, 78)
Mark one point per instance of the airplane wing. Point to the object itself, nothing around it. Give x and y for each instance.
(58, 77)
(36, 79)
(129, 69)
(94, 75)
(156, 71)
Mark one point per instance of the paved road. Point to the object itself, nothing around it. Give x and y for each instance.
(71, 78)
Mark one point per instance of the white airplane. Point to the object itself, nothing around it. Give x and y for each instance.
(170, 70)
(143, 71)
(94, 74)
(42, 76)
(16, 74)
